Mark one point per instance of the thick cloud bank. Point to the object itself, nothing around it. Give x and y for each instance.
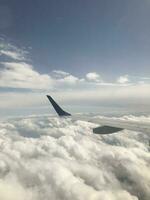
(44, 158)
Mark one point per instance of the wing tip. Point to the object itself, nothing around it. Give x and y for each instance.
(57, 108)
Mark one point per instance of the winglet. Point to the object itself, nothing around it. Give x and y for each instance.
(57, 108)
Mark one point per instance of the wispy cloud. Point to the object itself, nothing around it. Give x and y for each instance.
(59, 74)
(12, 52)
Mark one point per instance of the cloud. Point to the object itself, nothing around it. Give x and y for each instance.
(59, 74)
(12, 190)
(13, 55)
(61, 77)
(123, 79)
(12, 52)
(93, 76)
(20, 80)
(69, 79)
(22, 75)
(44, 157)
(23, 89)
(24, 100)
(130, 99)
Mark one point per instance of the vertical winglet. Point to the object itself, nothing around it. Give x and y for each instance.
(57, 108)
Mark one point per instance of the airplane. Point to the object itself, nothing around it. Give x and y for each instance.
(107, 125)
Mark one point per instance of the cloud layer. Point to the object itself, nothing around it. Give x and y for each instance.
(22, 86)
(52, 158)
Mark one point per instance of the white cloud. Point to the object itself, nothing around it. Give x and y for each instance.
(59, 74)
(133, 98)
(43, 158)
(123, 79)
(69, 79)
(22, 75)
(12, 51)
(62, 77)
(88, 90)
(24, 100)
(93, 76)
(13, 190)
(12, 54)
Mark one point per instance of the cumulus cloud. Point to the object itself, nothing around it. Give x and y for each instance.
(52, 158)
(22, 75)
(93, 76)
(123, 79)
(70, 79)
(62, 77)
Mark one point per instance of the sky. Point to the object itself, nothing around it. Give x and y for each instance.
(91, 56)
(85, 53)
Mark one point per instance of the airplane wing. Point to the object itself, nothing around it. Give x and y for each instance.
(106, 125)
(57, 108)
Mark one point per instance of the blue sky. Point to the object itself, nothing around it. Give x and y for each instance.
(111, 37)
(95, 42)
